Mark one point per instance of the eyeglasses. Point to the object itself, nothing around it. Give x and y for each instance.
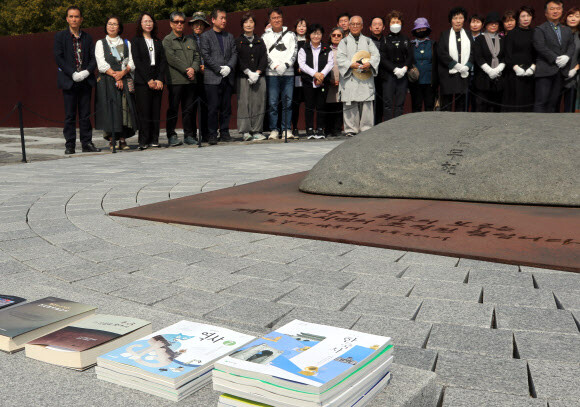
(178, 22)
(336, 35)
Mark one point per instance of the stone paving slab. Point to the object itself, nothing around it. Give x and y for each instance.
(569, 300)
(329, 298)
(535, 319)
(497, 277)
(402, 332)
(523, 297)
(447, 290)
(548, 346)
(384, 305)
(415, 357)
(438, 273)
(498, 375)
(481, 341)
(456, 313)
(555, 380)
(456, 397)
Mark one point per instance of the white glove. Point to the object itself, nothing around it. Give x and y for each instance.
(519, 70)
(255, 76)
(464, 69)
(77, 77)
(500, 67)
(531, 70)
(562, 60)
(572, 73)
(281, 69)
(399, 72)
(225, 70)
(489, 71)
(497, 71)
(459, 67)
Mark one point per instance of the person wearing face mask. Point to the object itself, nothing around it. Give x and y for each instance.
(422, 93)
(454, 60)
(554, 53)
(199, 114)
(489, 55)
(396, 60)
(520, 56)
(377, 28)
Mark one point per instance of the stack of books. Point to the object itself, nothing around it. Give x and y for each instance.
(24, 323)
(78, 345)
(305, 364)
(171, 363)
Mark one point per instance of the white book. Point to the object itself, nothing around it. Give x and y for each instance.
(174, 355)
(306, 360)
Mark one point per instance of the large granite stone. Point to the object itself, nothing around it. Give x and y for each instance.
(482, 157)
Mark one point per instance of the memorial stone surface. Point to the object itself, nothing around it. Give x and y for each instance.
(480, 157)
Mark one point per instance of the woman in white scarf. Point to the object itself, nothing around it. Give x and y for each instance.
(454, 61)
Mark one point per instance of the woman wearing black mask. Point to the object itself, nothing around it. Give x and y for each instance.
(422, 93)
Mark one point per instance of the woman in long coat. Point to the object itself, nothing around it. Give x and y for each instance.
(454, 61)
(114, 106)
(489, 56)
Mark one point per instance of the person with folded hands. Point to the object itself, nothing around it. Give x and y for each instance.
(553, 60)
(454, 60)
(251, 84)
(489, 56)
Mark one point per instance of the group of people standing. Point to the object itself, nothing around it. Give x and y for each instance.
(343, 78)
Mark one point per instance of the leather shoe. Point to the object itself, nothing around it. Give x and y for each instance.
(213, 140)
(69, 151)
(90, 148)
(225, 137)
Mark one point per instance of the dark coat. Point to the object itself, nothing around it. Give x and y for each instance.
(549, 48)
(65, 59)
(214, 58)
(252, 56)
(395, 52)
(481, 56)
(449, 83)
(144, 71)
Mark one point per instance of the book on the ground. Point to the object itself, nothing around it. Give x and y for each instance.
(171, 363)
(306, 364)
(26, 322)
(78, 345)
(8, 300)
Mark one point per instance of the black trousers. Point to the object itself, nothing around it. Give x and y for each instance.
(219, 109)
(314, 99)
(297, 99)
(148, 104)
(548, 91)
(569, 101)
(488, 101)
(394, 95)
(446, 102)
(422, 95)
(77, 100)
(200, 106)
(183, 95)
(333, 118)
(378, 100)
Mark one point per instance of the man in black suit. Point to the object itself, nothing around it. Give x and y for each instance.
(554, 44)
(75, 57)
(220, 57)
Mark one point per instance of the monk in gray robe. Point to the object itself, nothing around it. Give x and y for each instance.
(358, 62)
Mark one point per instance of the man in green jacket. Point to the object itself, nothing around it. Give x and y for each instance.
(184, 62)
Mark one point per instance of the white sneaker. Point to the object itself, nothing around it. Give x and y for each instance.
(288, 134)
(319, 136)
(247, 137)
(259, 136)
(274, 134)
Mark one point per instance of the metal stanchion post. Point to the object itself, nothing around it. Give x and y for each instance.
(21, 121)
(199, 128)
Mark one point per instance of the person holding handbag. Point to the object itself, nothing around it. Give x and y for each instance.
(422, 93)
(114, 105)
(150, 70)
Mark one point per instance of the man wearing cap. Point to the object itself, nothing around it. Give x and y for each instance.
(199, 24)
(183, 61)
(220, 57)
(358, 62)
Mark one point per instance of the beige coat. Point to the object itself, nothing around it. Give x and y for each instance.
(351, 88)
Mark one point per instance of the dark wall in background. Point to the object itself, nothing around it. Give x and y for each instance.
(28, 70)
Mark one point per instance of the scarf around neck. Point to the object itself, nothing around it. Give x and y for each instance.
(493, 47)
(454, 52)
